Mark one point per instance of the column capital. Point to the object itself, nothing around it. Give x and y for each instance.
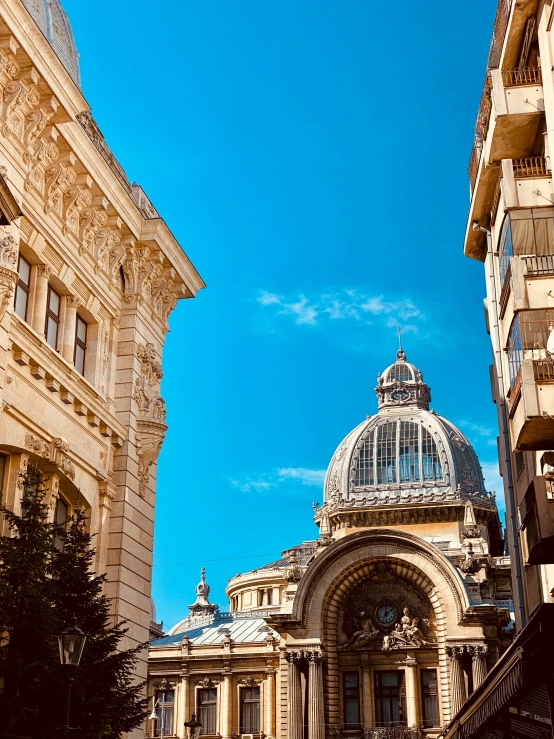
(72, 301)
(44, 270)
(292, 656)
(456, 651)
(478, 651)
(315, 657)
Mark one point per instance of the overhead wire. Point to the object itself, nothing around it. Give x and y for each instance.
(220, 559)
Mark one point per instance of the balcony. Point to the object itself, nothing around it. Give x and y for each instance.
(508, 121)
(531, 406)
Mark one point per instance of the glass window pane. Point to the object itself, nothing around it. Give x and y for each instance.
(365, 473)
(20, 304)
(24, 270)
(409, 452)
(432, 467)
(429, 698)
(51, 332)
(81, 330)
(54, 302)
(80, 359)
(386, 453)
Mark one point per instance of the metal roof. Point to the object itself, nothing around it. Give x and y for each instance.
(240, 630)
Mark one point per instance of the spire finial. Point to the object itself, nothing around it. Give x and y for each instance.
(400, 355)
(203, 574)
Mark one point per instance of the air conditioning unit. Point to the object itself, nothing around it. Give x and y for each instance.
(247, 736)
(536, 514)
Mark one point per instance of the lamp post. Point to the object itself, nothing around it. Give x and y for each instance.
(193, 726)
(154, 717)
(71, 643)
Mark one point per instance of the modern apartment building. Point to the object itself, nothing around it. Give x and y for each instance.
(510, 228)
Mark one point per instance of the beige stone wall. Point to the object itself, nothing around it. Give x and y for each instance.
(98, 242)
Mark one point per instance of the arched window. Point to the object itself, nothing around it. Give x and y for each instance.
(408, 459)
(400, 373)
(432, 468)
(386, 453)
(365, 474)
(398, 452)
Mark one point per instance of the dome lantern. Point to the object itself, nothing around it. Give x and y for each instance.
(402, 384)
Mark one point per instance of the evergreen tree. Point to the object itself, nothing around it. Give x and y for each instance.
(44, 589)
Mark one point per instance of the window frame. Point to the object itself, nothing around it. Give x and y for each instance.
(381, 693)
(247, 724)
(51, 316)
(58, 543)
(351, 694)
(430, 692)
(171, 711)
(22, 287)
(205, 705)
(80, 344)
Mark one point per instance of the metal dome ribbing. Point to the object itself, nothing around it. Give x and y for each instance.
(50, 17)
(405, 453)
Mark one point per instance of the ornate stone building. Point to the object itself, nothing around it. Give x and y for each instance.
(89, 274)
(389, 619)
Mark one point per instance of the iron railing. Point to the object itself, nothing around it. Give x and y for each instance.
(532, 167)
(474, 163)
(506, 289)
(543, 370)
(522, 76)
(500, 27)
(496, 198)
(537, 266)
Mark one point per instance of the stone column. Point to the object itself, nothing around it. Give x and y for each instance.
(367, 693)
(457, 680)
(478, 664)
(183, 709)
(43, 272)
(69, 325)
(227, 705)
(412, 693)
(270, 703)
(316, 713)
(295, 723)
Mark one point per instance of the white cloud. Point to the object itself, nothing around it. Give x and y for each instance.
(282, 476)
(342, 305)
(307, 477)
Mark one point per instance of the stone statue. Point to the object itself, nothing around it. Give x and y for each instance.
(406, 633)
(363, 636)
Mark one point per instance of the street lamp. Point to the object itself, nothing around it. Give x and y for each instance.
(71, 643)
(193, 725)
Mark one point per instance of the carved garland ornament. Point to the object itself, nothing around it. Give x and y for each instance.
(55, 452)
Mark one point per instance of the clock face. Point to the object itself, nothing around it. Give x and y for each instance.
(400, 395)
(386, 615)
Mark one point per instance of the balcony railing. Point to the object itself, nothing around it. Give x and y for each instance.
(502, 17)
(514, 393)
(474, 163)
(543, 370)
(522, 76)
(496, 198)
(537, 266)
(506, 289)
(532, 167)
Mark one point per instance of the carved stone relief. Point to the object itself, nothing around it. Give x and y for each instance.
(386, 612)
(55, 452)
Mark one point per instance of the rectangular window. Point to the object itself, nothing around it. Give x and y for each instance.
(207, 705)
(270, 597)
(80, 345)
(528, 339)
(52, 317)
(60, 518)
(429, 699)
(249, 710)
(21, 300)
(351, 699)
(165, 702)
(390, 698)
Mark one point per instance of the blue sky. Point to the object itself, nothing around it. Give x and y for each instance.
(311, 158)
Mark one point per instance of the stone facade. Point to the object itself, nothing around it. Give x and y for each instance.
(388, 620)
(89, 274)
